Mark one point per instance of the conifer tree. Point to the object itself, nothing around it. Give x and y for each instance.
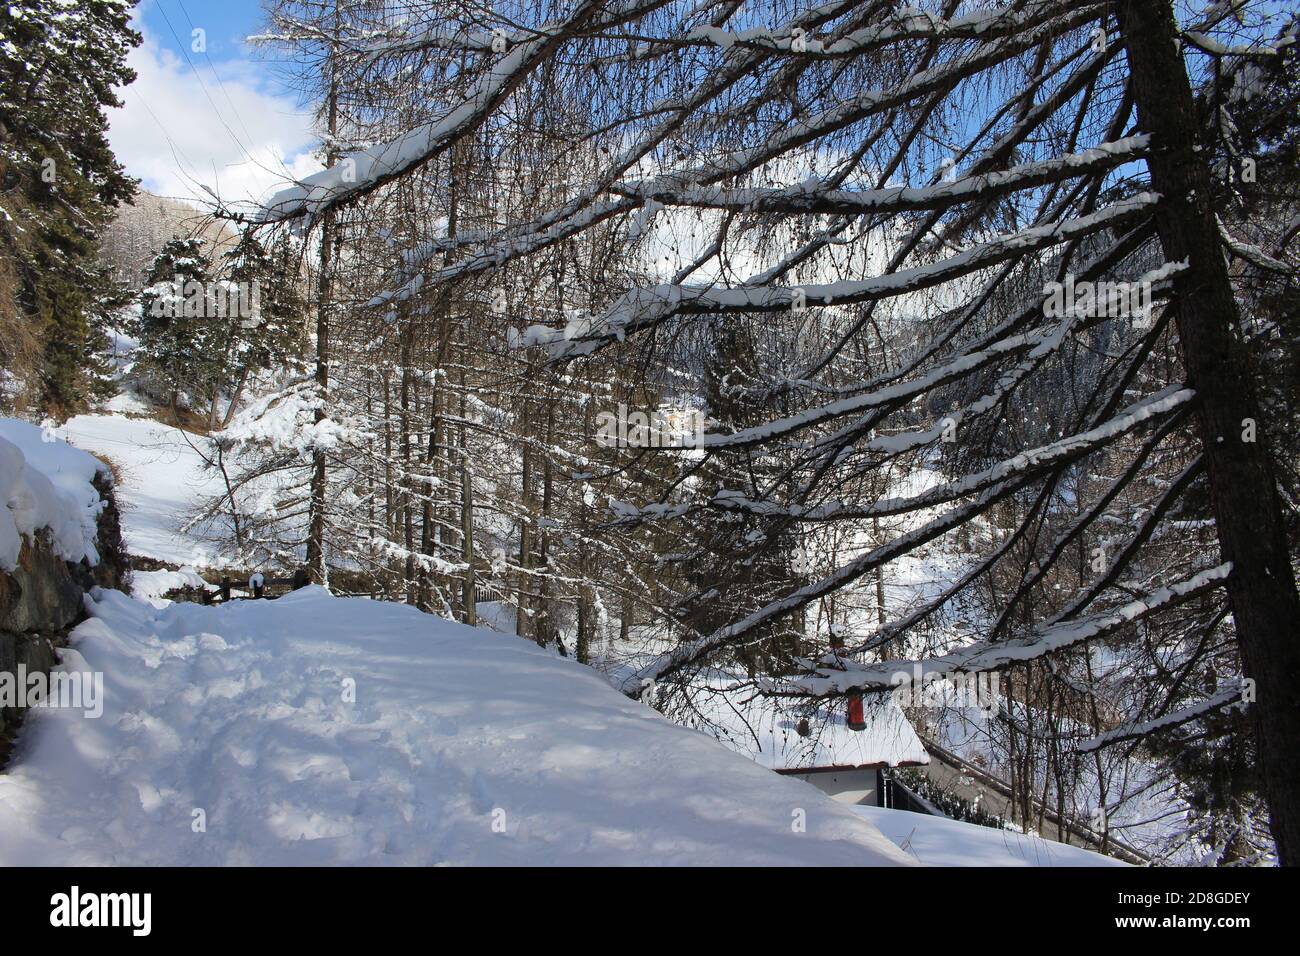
(60, 66)
(181, 341)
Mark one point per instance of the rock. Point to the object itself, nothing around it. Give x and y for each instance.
(40, 594)
(43, 598)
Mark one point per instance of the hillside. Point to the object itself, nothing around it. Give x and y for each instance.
(137, 231)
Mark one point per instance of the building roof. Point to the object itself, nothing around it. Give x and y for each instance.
(765, 729)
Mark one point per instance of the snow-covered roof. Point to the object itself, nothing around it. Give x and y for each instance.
(46, 483)
(766, 729)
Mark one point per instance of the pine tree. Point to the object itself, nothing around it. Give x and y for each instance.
(59, 66)
(266, 334)
(741, 561)
(181, 340)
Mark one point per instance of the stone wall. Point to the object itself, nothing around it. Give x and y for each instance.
(42, 599)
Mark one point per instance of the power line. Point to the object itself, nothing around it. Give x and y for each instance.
(203, 86)
(216, 76)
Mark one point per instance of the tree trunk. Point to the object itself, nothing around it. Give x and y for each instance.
(404, 426)
(583, 641)
(316, 517)
(467, 542)
(546, 629)
(1243, 490)
(427, 533)
(234, 399)
(524, 596)
(880, 574)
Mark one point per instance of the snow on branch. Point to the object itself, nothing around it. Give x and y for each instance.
(360, 172)
(1207, 44)
(1010, 477)
(641, 309)
(939, 79)
(985, 657)
(1232, 697)
(553, 228)
(1027, 462)
(1253, 253)
(689, 652)
(809, 197)
(905, 24)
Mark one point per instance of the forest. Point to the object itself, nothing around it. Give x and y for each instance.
(810, 358)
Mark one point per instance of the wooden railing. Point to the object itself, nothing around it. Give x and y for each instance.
(261, 587)
(1104, 843)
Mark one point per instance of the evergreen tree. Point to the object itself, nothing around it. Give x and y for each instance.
(742, 561)
(59, 65)
(266, 335)
(181, 339)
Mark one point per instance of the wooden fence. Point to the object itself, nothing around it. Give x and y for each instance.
(261, 587)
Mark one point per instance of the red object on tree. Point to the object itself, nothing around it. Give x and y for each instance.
(856, 718)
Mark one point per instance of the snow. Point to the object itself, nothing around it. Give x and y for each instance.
(150, 586)
(764, 729)
(1232, 697)
(1160, 403)
(811, 196)
(46, 483)
(1045, 639)
(242, 712)
(496, 616)
(364, 169)
(161, 480)
(642, 308)
(904, 24)
(938, 841)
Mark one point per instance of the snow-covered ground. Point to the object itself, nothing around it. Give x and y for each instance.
(458, 746)
(938, 841)
(161, 479)
(150, 586)
(44, 483)
(316, 729)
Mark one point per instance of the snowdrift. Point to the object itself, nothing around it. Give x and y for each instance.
(46, 483)
(938, 841)
(323, 730)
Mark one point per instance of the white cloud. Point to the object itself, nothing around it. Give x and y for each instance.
(237, 138)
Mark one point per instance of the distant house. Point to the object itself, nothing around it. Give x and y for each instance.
(817, 744)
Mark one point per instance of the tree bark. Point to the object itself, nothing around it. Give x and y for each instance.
(467, 542)
(1243, 489)
(524, 596)
(316, 516)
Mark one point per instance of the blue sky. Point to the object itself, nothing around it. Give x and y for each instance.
(226, 23)
(221, 117)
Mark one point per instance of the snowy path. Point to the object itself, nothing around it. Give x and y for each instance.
(240, 711)
(161, 482)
